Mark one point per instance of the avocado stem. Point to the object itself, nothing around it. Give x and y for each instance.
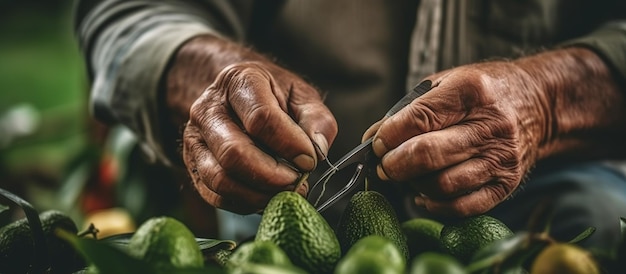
(301, 180)
(91, 230)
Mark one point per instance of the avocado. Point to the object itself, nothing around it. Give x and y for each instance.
(465, 237)
(365, 262)
(433, 262)
(17, 247)
(260, 252)
(372, 254)
(165, 240)
(369, 213)
(292, 223)
(422, 235)
(564, 258)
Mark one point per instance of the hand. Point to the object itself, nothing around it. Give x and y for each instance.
(467, 143)
(250, 135)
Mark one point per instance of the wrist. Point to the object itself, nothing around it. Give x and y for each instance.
(580, 100)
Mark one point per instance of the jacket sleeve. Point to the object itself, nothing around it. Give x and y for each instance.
(609, 42)
(126, 45)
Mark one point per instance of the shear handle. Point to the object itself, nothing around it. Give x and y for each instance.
(357, 155)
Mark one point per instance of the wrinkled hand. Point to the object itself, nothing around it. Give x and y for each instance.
(252, 116)
(466, 144)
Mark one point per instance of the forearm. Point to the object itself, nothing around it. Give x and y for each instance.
(584, 104)
(127, 45)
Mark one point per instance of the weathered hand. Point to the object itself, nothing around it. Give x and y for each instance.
(466, 144)
(254, 115)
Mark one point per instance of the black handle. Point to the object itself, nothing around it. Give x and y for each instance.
(417, 91)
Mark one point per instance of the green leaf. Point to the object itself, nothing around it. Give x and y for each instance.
(583, 235)
(40, 256)
(207, 246)
(108, 258)
(3, 208)
(622, 226)
(102, 255)
(509, 254)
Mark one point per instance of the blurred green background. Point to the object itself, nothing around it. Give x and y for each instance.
(44, 120)
(52, 153)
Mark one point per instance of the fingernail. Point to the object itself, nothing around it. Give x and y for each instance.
(381, 173)
(304, 162)
(322, 143)
(419, 201)
(379, 147)
(303, 189)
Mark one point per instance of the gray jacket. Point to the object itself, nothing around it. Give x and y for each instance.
(363, 54)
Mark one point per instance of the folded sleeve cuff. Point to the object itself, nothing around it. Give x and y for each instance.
(138, 77)
(609, 42)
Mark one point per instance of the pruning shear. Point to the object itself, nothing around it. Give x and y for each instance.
(362, 155)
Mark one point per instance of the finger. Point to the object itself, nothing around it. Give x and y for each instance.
(254, 100)
(255, 169)
(212, 183)
(313, 117)
(477, 202)
(371, 131)
(456, 180)
(203, 166)
(239, 206)
(235, 152)
(435, 110)
(429, 152)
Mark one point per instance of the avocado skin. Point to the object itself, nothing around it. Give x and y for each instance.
(369, 213)
(463, 238)
(17, 248)
(293, 224)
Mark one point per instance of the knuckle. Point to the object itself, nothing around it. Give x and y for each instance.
(427, 150)
(258, 119)
(447, 184)
(197, 107)
(218, 182)
(231, 155)
(242, 74)
(422, 118)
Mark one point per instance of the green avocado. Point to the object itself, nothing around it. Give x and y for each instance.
(293, 224)
(464, 238)
(370, 213)
(17, 248)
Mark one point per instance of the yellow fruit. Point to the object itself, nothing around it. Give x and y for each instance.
(564, 258)
(110, 222)
(165, 240)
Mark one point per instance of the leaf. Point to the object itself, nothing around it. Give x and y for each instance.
(583, 235)
(622, 226)
(101, 254)
(508, 255)
(212, 245)
(40, 256)
(3, 208)
(207, 246)
(497, 252)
